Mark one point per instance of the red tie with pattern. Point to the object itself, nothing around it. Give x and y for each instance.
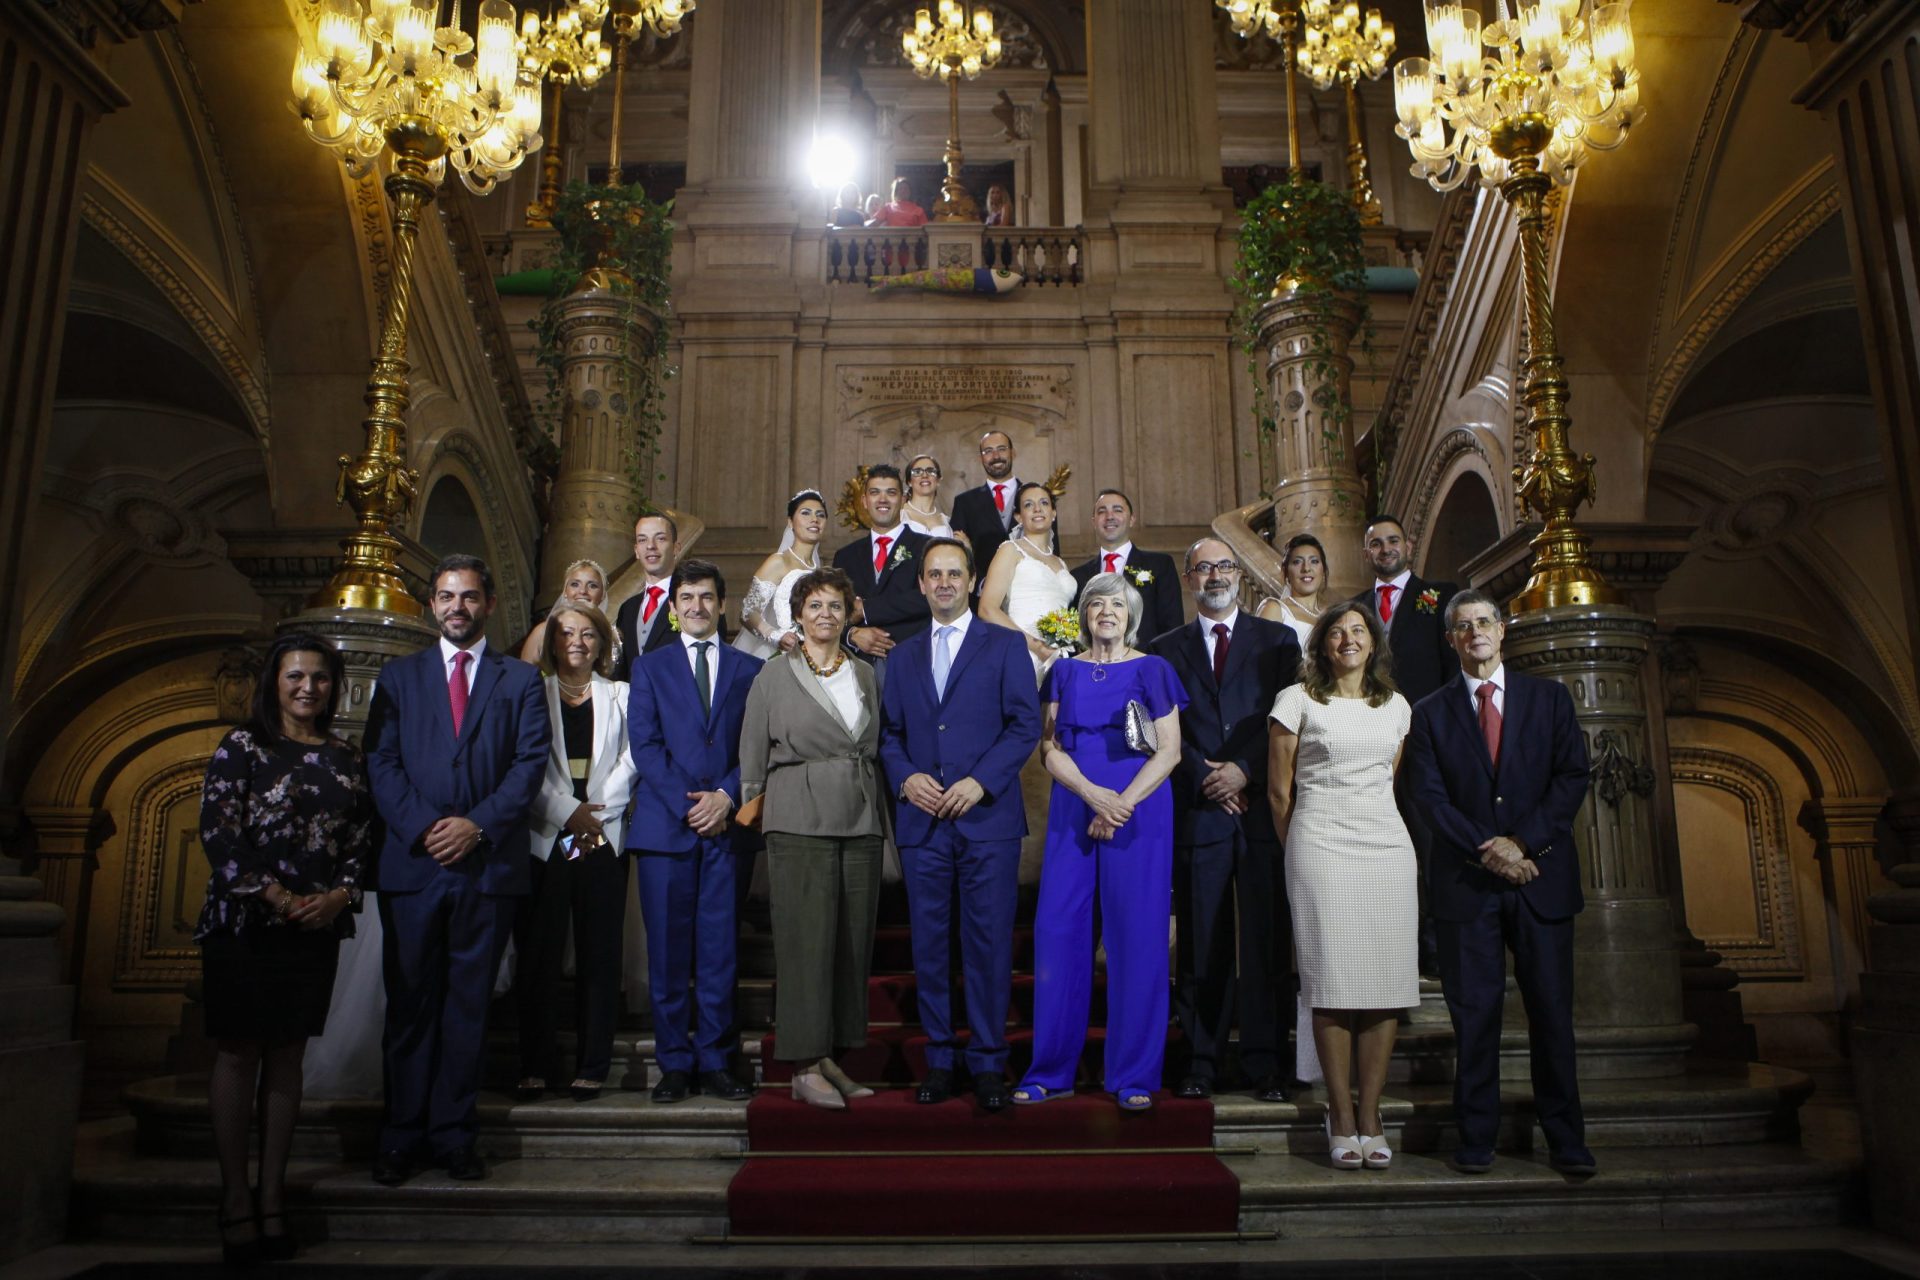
(1386, 602)
(1221, 639)
(457, 689)
(1000, 498)
(880, 546)
(653, 602)
(1112, 558)
(1489, 720)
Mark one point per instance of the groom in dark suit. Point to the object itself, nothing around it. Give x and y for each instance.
(1229, 882)
(642, 620)
(457, 742)
(959, 716)
(1497, 763)
(884, 567)
(1152, 573)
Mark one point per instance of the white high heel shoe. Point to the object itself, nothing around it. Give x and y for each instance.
(1344, 1152)
(1374, 1151)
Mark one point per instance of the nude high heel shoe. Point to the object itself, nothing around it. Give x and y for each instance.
(840, 1080)
(811, 1087)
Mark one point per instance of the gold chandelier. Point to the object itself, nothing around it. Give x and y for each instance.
(388, 80)
(1560, 81)
(564, 49)
(1341, 46)
(960, 44)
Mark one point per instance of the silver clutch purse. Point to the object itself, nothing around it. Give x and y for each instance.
(1140, 734)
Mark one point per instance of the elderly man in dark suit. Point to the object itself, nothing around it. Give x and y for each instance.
(642, 621)
(457, 742)
(1498, 765)
(885, 569)
(1229, 882)
(986, 512)
(1152, 573)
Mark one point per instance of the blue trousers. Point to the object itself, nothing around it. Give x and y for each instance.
(689, 903)
(1473, 973)
(442, 946)
(978, 881)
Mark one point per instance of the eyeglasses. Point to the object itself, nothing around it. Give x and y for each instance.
(917, 472)
(1467, 626)
(1207, 568)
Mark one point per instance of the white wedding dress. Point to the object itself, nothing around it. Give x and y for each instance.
(767, 608)
(345, 1062)
(1035, 592)
(943, 528)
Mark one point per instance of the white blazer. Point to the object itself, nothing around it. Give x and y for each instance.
(610, 774)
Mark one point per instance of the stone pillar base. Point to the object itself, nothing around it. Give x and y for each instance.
(41, 1067)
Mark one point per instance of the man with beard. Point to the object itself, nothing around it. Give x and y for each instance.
(1152, 573)
(1228, 877)
(642, 621)
(986, 512)
(1414, 612)
(457, 742)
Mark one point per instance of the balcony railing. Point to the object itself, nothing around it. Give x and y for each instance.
(1047, 256)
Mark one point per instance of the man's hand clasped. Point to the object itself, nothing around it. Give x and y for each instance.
(1506, 859)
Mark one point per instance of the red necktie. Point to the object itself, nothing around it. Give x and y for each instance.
(1489, 720)
(1111, 557)
(1386, 602)
(653, 602)
(880, 546)
(457, 689)
(1222, 638)
(1000, 498)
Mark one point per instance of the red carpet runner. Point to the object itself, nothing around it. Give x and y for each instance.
(888, 1167)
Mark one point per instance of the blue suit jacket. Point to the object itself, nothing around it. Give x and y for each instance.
(676, 749)
(491, 773)
(1533, 796)
(1227, 722)
(984, 729)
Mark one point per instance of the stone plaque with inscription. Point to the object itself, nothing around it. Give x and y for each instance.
(1046, 388)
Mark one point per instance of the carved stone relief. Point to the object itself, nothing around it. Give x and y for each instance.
(164, 881)
(900, 410)
(1774, 947)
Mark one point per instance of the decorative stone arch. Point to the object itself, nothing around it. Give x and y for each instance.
(459, 455)
(1459, 452)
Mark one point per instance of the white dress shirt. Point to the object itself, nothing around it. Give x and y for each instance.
(893, 542)
(1213, 641)
(713, 656)
(954, 641)
(1499, 682)
(843, 690)
(1399, 585)
(1123, 551)
(1012, 512)
(448, 649)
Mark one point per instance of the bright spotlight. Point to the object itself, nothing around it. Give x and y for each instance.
(831, 163)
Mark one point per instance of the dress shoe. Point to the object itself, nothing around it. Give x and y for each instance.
(721, 1084)
(937, 1087)
(584, 1091)
(849, 1087)
(280, 1245)
(1194, 1086)
(1470, 1161)
(812, 1088)
(1270, 1089)
(391, 1168)
(1578, 1163)
(990, 1091)
(466, 1164)
(531, 1089)
(674, 1086)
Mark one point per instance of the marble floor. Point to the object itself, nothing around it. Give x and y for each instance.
(1841, 1253)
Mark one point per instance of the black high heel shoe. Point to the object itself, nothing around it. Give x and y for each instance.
(276, 1248)
(240, 1253)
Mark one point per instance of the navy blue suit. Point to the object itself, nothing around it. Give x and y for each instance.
(1223, 860)
(688, 883)
(446, 927)
(985, 728)
(1532, 796)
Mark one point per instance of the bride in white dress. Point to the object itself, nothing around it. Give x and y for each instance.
(1299, 604)
(766, 615)
(1026, 581)
(922, 510)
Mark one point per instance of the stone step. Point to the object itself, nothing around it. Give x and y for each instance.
(1753, 1105)
(121, 1196)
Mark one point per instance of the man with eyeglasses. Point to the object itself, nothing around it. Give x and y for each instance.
(986, 512)
(1152, 573)
(1497, 765)
(1229, 883)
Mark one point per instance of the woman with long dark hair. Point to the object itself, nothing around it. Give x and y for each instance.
(286, 821)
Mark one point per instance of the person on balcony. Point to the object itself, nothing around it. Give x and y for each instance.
(999, 207)
(846, 208)
(900, 211)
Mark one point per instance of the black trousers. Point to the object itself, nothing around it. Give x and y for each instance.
(590, 892)
(1222, 891)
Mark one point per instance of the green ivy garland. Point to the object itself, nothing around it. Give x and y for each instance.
(637, 235)
(1307, 233)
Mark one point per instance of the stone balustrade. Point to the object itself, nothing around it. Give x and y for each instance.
(1044, 255)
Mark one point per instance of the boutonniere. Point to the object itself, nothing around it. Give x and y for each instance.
(900, 552)
(673, 622)
(1428, 602)
(1139, 577)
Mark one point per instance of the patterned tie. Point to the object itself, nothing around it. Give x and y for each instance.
(1386, 602)
(1113, 557)
(942, 659)
(457, 689)
(1222, 639)
(702, 676)
(1489, 720)
(1000, 498)
(880, 546)
(653, 602)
